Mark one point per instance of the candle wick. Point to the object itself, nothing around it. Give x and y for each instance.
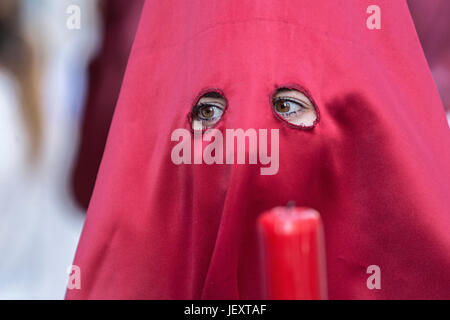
(291, 204)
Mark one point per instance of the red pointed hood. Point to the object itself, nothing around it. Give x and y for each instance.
(376, 165)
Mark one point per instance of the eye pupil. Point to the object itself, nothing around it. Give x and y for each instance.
(283, 106)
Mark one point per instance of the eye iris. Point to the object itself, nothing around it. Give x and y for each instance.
(283, 106)
(207, 112)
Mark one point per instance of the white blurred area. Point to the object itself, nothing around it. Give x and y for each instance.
(39, 221)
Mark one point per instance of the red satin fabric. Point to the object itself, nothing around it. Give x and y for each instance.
(376, 166)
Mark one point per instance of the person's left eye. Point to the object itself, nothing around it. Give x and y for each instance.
(288, 107)
(294, 107)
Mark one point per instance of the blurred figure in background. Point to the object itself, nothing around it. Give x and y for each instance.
(42, 82)
(432, 22)
(105, 74)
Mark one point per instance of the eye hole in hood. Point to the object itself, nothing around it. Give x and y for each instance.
(208, 110)
(295, 107)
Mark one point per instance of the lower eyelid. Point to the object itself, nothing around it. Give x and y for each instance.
(212, 119)
(290, 113)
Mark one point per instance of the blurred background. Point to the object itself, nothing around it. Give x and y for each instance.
(59, 84)
(58, 88)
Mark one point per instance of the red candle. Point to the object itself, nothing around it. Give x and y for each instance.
(294, 254)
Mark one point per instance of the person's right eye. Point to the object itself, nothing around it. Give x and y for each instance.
(208, 111)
